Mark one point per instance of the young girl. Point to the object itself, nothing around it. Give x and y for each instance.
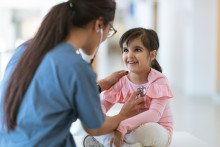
(153, 126)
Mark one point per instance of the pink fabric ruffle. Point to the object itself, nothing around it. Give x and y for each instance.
(157, 87)
(159, 91)
(113, 96)
(153, 91)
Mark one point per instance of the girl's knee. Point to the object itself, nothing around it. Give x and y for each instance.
(150, 128)
(151, 134)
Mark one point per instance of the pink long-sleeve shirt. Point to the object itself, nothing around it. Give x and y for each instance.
(157, 108)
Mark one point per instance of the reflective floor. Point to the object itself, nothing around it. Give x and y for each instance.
(199, 116)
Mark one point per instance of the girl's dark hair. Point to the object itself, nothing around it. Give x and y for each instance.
(149, 39)
(54, 29)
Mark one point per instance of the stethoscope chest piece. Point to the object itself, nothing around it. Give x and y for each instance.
(143, 91)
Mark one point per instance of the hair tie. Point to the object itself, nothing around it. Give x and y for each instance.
(71, 5)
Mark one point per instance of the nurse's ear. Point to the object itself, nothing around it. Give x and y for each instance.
(153, 55)
(98, 25)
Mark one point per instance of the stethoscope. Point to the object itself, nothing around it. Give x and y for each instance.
(143, 90)
(100, 41)
(96, 51)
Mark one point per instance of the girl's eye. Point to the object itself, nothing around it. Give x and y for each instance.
(137, 49)
(125, 50)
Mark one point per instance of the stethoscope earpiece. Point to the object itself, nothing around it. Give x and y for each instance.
(101, 33)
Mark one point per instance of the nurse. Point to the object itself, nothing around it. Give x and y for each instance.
(47, 85)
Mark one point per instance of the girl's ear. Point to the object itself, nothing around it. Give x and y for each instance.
(153, 54)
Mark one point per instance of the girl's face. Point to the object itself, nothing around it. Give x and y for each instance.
(136, 57)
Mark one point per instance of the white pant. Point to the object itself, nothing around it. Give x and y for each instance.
(149, 134)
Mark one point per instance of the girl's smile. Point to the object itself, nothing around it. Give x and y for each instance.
(132, 62)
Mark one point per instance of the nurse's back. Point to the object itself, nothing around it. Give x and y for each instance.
(47, 110)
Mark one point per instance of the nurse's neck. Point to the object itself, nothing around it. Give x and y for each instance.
(77, 37)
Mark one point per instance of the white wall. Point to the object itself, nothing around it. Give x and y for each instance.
(22, 10)
(6, 38)
(204, 47)
(187, 31)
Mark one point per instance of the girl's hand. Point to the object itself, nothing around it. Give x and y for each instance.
(117, 139)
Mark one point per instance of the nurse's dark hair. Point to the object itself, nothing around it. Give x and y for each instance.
(54, 29)
(149, 39)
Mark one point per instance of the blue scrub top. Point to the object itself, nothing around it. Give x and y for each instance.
(62, 90)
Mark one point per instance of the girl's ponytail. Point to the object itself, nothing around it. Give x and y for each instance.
(155, 65)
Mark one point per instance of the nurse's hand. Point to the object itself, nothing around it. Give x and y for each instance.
(133, 105)
(130, 108)
(107, 82)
